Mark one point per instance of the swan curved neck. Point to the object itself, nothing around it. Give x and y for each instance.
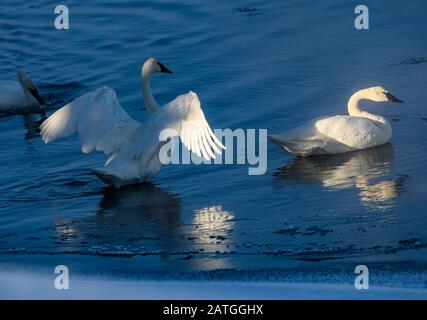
(149, 101)
(355, 110)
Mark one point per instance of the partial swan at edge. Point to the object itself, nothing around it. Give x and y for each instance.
(20, 96)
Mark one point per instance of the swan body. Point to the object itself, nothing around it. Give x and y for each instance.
(19, 96)
(342, 133)
(133, 148)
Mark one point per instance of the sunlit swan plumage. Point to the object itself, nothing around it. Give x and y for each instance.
(103, 125)
(338, 134)
(19, 96)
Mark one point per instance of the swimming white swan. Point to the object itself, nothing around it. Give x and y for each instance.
(19, 96)
(338, 134)
(103, 125)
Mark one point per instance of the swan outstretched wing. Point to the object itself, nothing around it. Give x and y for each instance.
(185, 117)
(101, 123)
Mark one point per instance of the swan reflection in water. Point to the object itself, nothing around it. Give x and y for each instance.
(32, 123)
(139, 210)
(142, 217)
(365, 170)
(213, 225)
(137, 205)
(212, 230)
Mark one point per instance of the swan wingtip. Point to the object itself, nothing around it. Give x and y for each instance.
(193, 94)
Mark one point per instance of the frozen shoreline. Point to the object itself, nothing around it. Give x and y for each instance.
(33, 285)
(93, 277)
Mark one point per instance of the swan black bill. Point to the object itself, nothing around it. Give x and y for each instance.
(392, 98)
(163, 68)
(37, 96)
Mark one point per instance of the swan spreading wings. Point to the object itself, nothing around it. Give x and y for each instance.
(103, 125)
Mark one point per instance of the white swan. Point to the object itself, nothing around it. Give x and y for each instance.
(338, 134)
(103, 125)
(19, 96)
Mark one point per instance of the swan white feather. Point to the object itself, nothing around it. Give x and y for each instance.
(103, 125)
(341, 133)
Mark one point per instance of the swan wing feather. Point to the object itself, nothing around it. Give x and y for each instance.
(185, 117)
(98, 118)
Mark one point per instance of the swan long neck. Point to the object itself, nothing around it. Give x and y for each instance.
(355, 110)
(149, 101)
(23, 81)
(353, 104)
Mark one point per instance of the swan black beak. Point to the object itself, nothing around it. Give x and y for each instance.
(392, 98)
(37, 96)
(163, 68)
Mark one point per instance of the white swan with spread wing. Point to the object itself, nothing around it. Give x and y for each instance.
(103, 125)
(338, 134)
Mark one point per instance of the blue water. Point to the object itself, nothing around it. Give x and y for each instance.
(254, 64)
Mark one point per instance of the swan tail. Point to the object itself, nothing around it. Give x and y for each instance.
(301, 148)
(111, 179)
(120, 169)
(289, 146)
(275, 139)
(107, 177)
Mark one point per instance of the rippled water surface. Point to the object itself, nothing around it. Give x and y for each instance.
(254, 64)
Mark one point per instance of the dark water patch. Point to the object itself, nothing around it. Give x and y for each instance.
(410, 61)
(26, 111)
(76, 183)
(248, 11)
(353, 251)
(313, 254)
(57, 95)
(313, 230)
(291, 230)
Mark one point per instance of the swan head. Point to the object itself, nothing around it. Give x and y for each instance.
(379, 94)
(30, 88)
(152, 65)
